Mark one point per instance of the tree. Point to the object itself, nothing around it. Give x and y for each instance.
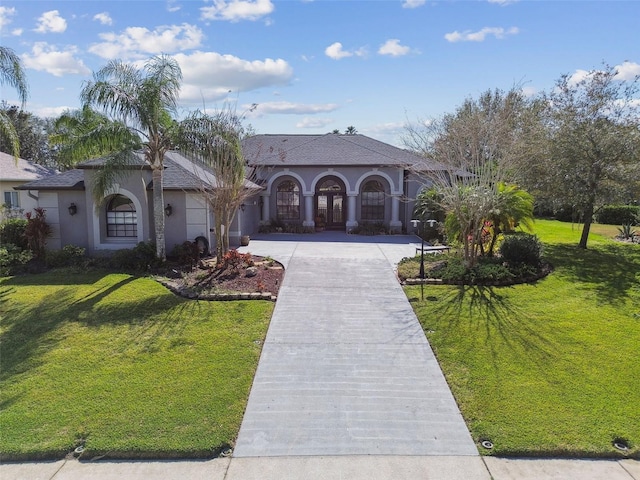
(142, 100)
(513, 207)
(475, 149)
(593, 152)
(214, 142)
(351, 130)
(32, 133)
(83, 134)
(12, 74)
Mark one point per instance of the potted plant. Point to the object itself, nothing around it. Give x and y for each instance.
(320, 222)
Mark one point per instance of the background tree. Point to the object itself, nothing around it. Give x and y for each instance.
(12, 74)
(476, 148)
(215, 143)
(593, 151)
(351, 130)
(32, 133)
(142, 100)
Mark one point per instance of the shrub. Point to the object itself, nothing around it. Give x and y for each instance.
(619, 215)
(69, 256)
(37, 231)
(12, 231)
(141, 258)
(234, 259)
(12, 258)
(186, 253)
(521, 248)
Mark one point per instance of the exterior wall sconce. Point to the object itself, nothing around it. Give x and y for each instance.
(242, 206)
(73, 209)
(168, 210)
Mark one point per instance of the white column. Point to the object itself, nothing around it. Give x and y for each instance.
(265, 207)
(308, 211)
(395, 223)
(351, 211)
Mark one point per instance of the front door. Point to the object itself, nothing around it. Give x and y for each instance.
(330, 203)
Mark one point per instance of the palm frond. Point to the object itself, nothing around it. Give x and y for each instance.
(114, 168)
(12, 73)
(8, 131)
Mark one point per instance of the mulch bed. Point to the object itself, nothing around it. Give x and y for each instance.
(207, 281)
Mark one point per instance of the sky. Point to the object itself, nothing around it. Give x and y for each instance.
(314, 66)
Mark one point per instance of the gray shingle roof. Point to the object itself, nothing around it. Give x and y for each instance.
(69, 180)
(22, 170)
(325, 150)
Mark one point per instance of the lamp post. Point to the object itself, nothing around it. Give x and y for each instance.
(415, 225)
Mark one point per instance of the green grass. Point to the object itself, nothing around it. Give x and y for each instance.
(550, 368)
(119, 363)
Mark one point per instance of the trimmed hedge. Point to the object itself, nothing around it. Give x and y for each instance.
(619, 215)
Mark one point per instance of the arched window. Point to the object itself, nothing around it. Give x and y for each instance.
(122, 219)
(372, 201)
(288, 201)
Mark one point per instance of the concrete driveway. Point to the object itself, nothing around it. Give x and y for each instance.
(346, 368)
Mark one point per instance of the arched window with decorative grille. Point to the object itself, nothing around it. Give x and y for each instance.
(288, 201)
(122, 218)
(372, 201)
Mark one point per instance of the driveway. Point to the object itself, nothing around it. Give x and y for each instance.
(346, 368)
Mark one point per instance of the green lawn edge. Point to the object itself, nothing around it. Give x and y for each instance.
(548, 369)
(119, 365)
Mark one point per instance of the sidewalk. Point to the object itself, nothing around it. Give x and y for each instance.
(336, 398)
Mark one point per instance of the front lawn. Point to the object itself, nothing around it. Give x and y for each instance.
(549, 368)
(120, 365)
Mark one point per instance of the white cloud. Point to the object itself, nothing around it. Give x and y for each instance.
(309, 122)
(237, 10)
(529, 91)
(51, 112)
(5, 16)
(578, 76)
(336, 52)
(392, 47)
(627, 71)
(48, 58)
(289, 108)
(387, 128)
(480, 35)
(138, 42)
(16, 32)
(173, 6)
(502, 3)
(413, 3)
(51, 21)
(104, 18)
(211, 76)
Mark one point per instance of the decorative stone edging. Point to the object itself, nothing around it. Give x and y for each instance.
(191, 295)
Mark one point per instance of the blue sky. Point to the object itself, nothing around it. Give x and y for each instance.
(316, 66)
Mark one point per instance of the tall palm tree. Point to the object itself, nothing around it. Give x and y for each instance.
(142, 99)
(12, 73)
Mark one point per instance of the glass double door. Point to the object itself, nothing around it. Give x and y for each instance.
(330, 207)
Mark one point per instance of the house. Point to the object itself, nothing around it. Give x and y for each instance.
(341, 180)
(13, 173)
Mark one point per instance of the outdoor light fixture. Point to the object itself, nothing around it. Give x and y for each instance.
(168, 210)
(242, 206)
(415, 224)
(73, 209)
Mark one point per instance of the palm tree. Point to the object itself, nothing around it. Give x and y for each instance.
(513, 207)
(12, 73)
(142, 100)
